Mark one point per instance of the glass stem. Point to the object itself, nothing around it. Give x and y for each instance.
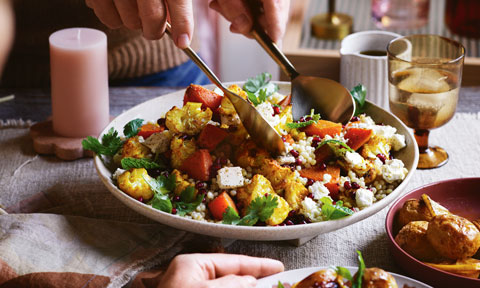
(421, 136)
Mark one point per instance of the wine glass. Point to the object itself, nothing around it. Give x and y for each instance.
(424, 75)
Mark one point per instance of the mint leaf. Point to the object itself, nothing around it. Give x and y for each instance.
(261, 208)
(110, 145)
(344, 272)
(280, 285)
(297, 125)
(261, 82)
(129, 163)
(338, 147)
(332, 211)
(359, 94)
(188, 194)
(361, 270)
(162, 203)
(184, 208)
(253, 98)
(131, 128)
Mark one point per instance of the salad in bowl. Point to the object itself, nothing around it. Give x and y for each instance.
(199, 163)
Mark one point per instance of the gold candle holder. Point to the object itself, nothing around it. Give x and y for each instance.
(331, 25)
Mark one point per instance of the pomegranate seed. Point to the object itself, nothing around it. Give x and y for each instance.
(140, 199)
(355, 119)
(294, 153)
(165, 174)
(355, 185)
(323, 166)
(289, 222)
(317, 139)
(202, 191)
(161, 121)
(292, 213)
(176, 199)
(284, 139)
(174, 211)
(298, 162)
(223, 161)
(276, 110)
(310, 182)
(302, 119)
(347, 185)
(200, 185)
(382, 157)
(204, 200)
(308, 118)
(310, 195)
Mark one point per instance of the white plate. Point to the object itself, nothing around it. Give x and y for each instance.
(297, 275)
(156, 108)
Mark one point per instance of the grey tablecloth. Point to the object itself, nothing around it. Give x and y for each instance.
(44, 184)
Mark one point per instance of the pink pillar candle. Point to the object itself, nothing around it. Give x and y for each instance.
(79, 79)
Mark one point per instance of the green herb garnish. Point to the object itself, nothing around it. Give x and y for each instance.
(161, 187)
(188, 201)
(132, 127)
(161, 202)
(332, 211)
(297, 125)
(280, 285)
(338, 147)
(359, 93)
(261, 208)
(361, 270)
(344, 272)
(257, 100)
(110, 145)
(129, 163)
(260, 82)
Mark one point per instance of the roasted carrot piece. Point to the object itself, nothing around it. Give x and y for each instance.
(219, 205)
(323, 154)
(323, 128)
(148, 129)
(289, 139)
(357, 137)
(211, 136)
(208, 98)
(198, 165)
(316, 174)
(286, 101)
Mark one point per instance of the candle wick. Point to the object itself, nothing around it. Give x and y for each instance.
(78, 34)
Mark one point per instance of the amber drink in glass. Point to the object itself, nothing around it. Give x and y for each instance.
(424, 74)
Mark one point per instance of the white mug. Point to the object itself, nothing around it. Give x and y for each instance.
(370, 71)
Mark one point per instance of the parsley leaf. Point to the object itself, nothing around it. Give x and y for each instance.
(297, 125)
(129, 163)
(188, 202)
(131, 128)
(260, 82)
(361, 270)
(338, 147)
(344, 272)
(111, 143)
(359, 93)
(332, 211)
(280, 285)
(161, 187)
(161, 202)
(261, 208)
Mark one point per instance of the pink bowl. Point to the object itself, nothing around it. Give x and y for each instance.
(461, 197)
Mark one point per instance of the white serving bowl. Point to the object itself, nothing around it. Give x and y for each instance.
(155, 108)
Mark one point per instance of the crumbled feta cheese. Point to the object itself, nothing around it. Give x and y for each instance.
(230, 177)
(364, 197)
(275, 98)
(266, 110)
(393, 170)
(117, 173)
(159, 142)
(385, 131)
(311, 210)
(398, 142)
(319, 190)
(355, 160)
(287, 159)
(141, 139)
(326, 178)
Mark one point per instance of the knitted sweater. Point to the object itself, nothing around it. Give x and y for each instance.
(129, 54)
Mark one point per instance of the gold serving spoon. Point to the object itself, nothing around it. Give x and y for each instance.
(258, 128)
(327, 97)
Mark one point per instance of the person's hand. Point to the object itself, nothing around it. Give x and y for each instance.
(6, 31)
(148, 15)
(217, 270)
(273, 20)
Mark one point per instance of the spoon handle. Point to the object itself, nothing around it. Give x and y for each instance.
(266, 42)
(195, 58)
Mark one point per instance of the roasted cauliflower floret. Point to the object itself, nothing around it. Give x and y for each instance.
(190, 119)
(258, 188)
(276, 174)
(180, 182)
(181, 150)
(295, 192)
(285, 116)
(376, 145)
(133, 183)
(250, 155)
(134, 149)
(228, 114)
(355, 162)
